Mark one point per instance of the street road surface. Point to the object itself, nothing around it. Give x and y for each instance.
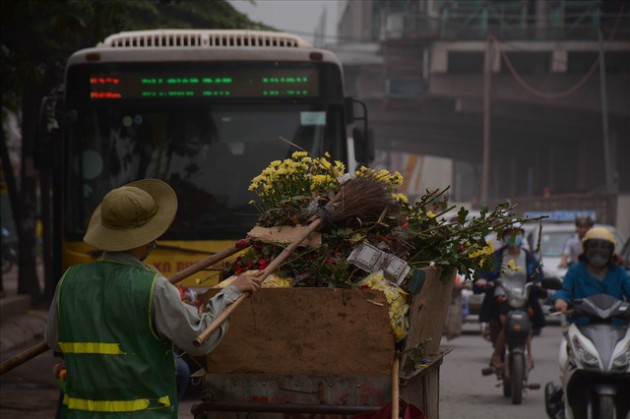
(466, 394)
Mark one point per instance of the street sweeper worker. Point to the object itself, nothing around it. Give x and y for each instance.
(116, 320)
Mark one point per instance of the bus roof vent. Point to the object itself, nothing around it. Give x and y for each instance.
(204, 39)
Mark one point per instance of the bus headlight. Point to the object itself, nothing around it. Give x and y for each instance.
(586, 357)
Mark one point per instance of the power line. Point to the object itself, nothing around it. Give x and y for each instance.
(557, 95)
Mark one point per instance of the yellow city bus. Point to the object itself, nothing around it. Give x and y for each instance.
(205, 111)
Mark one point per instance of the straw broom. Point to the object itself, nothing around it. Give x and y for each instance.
(42, 347)
(361, 197)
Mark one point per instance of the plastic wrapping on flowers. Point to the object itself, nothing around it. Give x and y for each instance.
(379, 250)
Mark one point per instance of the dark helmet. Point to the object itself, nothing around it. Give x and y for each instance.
(584, 221)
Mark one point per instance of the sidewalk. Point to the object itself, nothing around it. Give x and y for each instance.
(19, 323)
(29, 390)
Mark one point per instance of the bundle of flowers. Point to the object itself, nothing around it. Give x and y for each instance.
(383, 250)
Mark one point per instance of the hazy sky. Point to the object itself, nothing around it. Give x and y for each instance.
(300, 17)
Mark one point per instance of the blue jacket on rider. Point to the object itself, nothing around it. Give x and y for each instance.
(534, 273)
(579, 283)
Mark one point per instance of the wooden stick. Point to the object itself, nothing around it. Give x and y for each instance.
(42, 347)
(286, 252)
(395, 389)
(210, 260)
(22, 357)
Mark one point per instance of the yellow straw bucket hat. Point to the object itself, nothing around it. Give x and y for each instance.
(132, 215)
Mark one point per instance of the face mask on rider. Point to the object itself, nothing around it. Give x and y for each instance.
(597, 257)
(515, 241)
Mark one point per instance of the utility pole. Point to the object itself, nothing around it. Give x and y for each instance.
(610, 186)
(487, 79)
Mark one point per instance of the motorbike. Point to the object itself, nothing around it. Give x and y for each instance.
(594, 362)
(517, 329)
(9, 251)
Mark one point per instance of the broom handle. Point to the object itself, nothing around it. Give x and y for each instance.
(395, 389)
(286, 252)
(42, 347)
(22, 357)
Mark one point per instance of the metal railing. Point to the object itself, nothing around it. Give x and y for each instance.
(603, 204)
(509, 20)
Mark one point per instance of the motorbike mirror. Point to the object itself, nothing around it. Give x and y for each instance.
(551, 283)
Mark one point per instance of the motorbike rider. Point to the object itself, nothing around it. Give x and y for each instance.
(598, 271)
(573, 246)
(514, 263)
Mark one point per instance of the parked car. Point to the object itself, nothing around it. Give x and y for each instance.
(553, 236)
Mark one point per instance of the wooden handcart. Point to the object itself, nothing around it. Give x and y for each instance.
(326, 351)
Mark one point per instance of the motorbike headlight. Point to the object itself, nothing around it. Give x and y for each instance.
(584, 355)
(516, 300)
(622, 361)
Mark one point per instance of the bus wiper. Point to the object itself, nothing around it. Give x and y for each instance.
(184, 249)
(98, 253)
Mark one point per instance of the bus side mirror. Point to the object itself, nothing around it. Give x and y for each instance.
(363, 137)
(363, 145)
(348, 105)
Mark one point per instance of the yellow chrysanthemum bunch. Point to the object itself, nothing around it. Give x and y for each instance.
(487, 250)
(296, 177)
(512, 266)
(481, 255)
(401, 197)
(392, 180)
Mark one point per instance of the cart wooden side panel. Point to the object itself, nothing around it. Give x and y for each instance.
(427, 311)
(324, 331)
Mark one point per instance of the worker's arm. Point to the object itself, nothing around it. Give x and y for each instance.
(181, 323)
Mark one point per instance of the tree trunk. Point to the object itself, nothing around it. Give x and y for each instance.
(26, 217)
(7, 171)
(50, 281)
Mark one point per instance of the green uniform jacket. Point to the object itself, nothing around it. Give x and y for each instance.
(117, 366)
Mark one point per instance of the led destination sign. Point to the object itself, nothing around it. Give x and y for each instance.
(243, 83)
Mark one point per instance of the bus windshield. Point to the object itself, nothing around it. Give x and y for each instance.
(207, 152)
